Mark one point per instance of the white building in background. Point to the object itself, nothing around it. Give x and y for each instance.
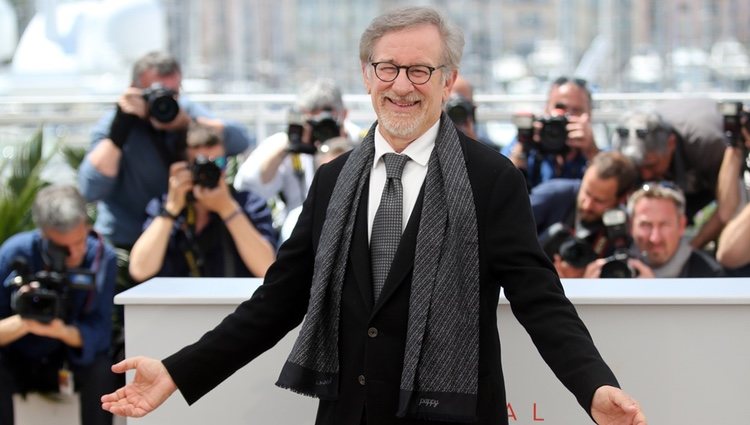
(83, 46)
(8, 31)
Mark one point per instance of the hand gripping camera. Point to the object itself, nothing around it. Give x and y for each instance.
(44, 295)
(162, 105)
(553, 134)
(207, 172)
(323, 126)
(734, 118)
(561, 239)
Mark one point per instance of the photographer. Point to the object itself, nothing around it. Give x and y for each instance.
(201, 227)
(560, 143)
(568, 212)
(134, 145)
(658, 221)
(733, 192)
(55, 336)
(281, 168)
(681, 141)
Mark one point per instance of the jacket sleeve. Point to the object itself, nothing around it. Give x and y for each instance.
(276, 307)
(536, 294)
(93, 184)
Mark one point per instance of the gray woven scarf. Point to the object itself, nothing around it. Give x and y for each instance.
(440, 371)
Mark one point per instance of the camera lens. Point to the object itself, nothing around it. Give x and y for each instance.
(162, 105)
(205, 172)
(616, 269)
(577, 252)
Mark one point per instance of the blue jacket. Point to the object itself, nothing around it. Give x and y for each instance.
(91, 311)
(143, 173)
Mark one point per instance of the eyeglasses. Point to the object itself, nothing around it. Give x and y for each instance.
(663, 184)
(624, 132)
(664, 188)
(417, 74)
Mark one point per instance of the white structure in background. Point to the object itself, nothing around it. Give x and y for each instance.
(547, 59)
(690, 69)
(729, 60)
(8, 30)
(645, 69)
(84, 46)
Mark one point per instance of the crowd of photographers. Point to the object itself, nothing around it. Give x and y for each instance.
(667, 197)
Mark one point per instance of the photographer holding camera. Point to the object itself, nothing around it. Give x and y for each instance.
(559, 144)
(569, 212)
(56, 289)
(681, 141)
(733, 191)
(657, 226)
(281, 168)
(202, 227)
(134, 145)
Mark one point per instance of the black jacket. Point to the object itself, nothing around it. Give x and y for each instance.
(372, 338)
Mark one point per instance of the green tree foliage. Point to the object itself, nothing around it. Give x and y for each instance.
(19, 189)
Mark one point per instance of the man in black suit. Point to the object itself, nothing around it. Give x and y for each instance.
(417, 344)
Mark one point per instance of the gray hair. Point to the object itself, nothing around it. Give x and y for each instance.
(321, 94)
(59, 207)
(655, 140)
(407, 17)
(164, 64)
(658, 190)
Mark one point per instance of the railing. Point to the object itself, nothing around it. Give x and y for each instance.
(70, 118)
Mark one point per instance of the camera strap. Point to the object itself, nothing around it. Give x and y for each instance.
(192, 251)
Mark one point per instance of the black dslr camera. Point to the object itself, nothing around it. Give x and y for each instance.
(323, 126)
(561, 239)
(553, 134)
(162, 106)
(459, 109)
(734, 117)
(205, 172)
(616, 265)
(44, 296)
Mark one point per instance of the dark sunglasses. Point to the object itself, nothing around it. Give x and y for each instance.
(662, 184)
(623, 132)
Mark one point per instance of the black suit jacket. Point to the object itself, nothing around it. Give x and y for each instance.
(372, 336)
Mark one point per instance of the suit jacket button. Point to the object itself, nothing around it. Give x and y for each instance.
(361, 379)
(372, 332)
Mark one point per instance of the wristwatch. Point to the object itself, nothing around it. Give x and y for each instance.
(165, 213)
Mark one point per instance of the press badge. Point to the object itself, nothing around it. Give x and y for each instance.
(65, 381)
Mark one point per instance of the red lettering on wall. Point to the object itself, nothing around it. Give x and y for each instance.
(511, 413)
(536, 419)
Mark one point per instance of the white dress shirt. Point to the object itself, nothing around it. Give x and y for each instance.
(412, 178)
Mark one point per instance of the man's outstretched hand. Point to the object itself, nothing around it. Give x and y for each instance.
(151, 386)
(611, 406)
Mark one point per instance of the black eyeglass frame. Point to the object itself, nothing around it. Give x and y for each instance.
(624, 132)
(406, 67)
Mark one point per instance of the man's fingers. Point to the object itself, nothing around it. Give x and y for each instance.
(127, 364)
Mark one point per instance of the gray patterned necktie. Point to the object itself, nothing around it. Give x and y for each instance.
(387, 226)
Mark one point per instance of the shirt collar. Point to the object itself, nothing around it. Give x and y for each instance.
(419, 150)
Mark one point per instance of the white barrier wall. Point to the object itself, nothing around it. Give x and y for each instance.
(680, 346)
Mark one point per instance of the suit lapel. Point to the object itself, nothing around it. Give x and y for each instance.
(403, 261)
(360, 250)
